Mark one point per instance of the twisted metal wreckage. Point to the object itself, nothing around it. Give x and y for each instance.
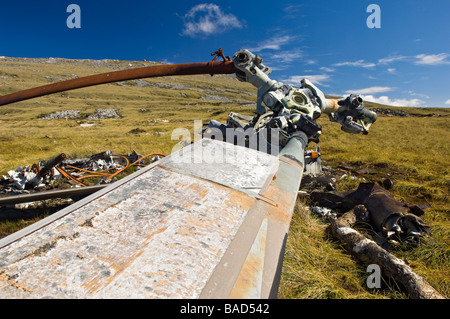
(207, 221)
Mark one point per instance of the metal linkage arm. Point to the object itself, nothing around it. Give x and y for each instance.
(293, 107)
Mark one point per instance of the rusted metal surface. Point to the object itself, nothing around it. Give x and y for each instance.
(214, 67)
(50, 164)
(248, 285)
(219, 54)
(251, 268)
(166, 231)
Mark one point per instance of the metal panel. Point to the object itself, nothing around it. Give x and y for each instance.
(226, 164)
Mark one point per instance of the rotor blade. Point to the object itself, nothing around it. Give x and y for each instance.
(123, 75)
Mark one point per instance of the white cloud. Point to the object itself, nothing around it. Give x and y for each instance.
(286, 57)
(424, 59)
(420, 59)
(393, 102)
(359, 63)
(447, 102)
(273, 43)
(432, 59)
(392, 59)
(292, 11)
(423, 96)
(310, 61)
(318, 79)
(206, 19)
(325, 69)
(370, 90)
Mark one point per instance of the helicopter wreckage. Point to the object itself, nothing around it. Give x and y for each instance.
(207, 221)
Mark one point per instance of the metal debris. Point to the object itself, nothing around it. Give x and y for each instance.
(103, 166)
(21, 177)
(368, 252)
(323, 212)
(393, 220)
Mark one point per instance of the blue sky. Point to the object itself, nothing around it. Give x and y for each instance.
(405, 62)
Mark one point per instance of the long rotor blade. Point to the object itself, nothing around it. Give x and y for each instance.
(213, 67)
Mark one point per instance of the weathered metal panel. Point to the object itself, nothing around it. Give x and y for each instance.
(237, 274)
(250, 279)
(166, 231)
(226, 164)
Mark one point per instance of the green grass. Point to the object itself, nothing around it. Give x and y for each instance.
(412, 151)
(315, 266)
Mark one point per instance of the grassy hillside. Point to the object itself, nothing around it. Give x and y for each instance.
(156, 106)
(414, 153)
(411, 150)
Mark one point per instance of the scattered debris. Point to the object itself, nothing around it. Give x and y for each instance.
(101, 168)
(368, 252)
(21, 177)
(315, 175)
(391, 219)
(385, 221)
(324, 213)
(370, 204)
(34, 176)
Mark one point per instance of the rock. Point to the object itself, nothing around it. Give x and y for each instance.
(71, 114)
(211, 97)
(104, 114)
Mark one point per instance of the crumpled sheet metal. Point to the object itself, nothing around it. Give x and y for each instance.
(20, 178)
(386, 214)
(159, 233)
